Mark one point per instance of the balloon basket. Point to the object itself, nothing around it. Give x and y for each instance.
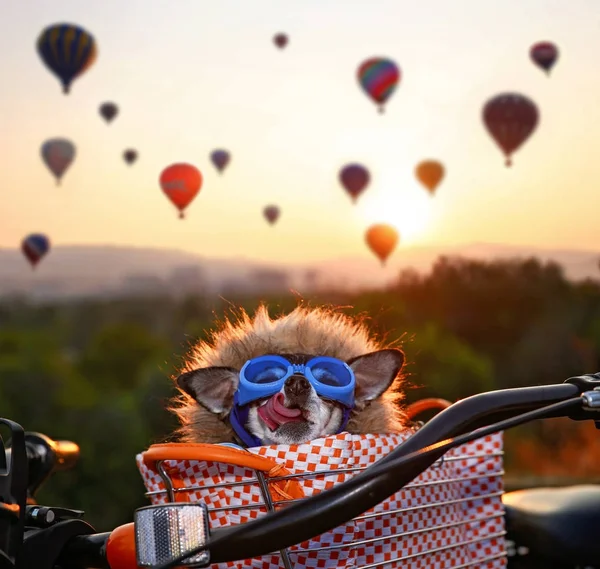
(181, 215)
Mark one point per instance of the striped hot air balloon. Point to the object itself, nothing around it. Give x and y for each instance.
(34, 247)
(379, 77)
(67, 51)
(510, 118)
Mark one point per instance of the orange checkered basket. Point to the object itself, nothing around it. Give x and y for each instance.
(450, 516)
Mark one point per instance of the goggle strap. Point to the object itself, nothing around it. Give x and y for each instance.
(345, 419)
(238, 418)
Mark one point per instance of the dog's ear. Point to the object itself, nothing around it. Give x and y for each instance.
(375, 372)
(212, 387)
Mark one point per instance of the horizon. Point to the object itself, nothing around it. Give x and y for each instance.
(410, 247)
(293, 117)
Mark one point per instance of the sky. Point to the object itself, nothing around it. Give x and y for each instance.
(195, 75)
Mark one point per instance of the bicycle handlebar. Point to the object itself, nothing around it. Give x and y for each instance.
(465, 420)
(315, 515)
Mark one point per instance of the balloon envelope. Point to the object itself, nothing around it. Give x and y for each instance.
(181, 183)
(271, 212)
(34, 247)
(58, 154)
(130, 156)
(382, 240)
(379, 77)
(280, 40)
(510, 118)
(544, 54)
(354, 178)
(430, 174)
(109, 111)
(67, 51)
(220, 158)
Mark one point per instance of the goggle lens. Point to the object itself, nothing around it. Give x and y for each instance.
(265, 372)
(330, 373)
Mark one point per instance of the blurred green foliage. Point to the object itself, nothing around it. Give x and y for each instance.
(97, 372)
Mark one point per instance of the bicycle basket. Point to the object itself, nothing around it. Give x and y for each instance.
(451, 516)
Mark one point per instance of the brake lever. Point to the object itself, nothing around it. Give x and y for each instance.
(589, 386)
(44, 516)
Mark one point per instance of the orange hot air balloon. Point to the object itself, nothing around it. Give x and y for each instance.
(430, 174)
(181, 182)
(382, 240)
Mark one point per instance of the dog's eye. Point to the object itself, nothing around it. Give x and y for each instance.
(269, 375)
(325, 377)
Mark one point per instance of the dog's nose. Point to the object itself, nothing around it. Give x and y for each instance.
(297, 387)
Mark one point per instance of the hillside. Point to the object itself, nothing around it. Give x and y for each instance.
(91, 270)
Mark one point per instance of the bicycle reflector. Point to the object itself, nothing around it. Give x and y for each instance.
(164, 531)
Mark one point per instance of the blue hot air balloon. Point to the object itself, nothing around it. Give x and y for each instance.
(67, 50)
(34, 247)
(220, 158)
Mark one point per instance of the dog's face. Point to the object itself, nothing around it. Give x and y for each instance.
(297, 413)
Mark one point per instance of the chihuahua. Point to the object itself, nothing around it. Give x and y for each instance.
(308, 374)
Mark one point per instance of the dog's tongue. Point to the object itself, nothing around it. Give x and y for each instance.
(274, 413)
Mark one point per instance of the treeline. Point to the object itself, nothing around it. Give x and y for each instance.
(97, 372)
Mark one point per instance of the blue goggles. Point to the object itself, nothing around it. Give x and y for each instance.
(265, 375)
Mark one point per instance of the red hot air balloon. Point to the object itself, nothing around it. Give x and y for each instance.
(271, 213)
(544, 54)
(181, 183)
(379, 78)
(355, 178)
(108, 111)
(280, 40)
(382, 240)
(510, 119)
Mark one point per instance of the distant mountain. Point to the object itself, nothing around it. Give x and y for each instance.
(100, 270)
(577, 264)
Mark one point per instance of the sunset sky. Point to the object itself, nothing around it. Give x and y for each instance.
(190, 76)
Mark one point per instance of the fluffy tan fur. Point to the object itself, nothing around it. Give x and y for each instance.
(314, 331)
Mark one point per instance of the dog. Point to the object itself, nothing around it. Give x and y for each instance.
(211, 379)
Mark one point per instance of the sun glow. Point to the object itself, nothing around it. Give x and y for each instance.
(408, 211)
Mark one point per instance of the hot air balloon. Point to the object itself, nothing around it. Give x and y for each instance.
(280, 40)
(510, 119)
(430, 174)
(181, 183)
(271, 212)
(130, 156)
(34, 247)
(220, 158)
(67, 50)
(382, 240)
(354, 178)
(58, 154)
(544, 54)
(109, 111)
(379, 78)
